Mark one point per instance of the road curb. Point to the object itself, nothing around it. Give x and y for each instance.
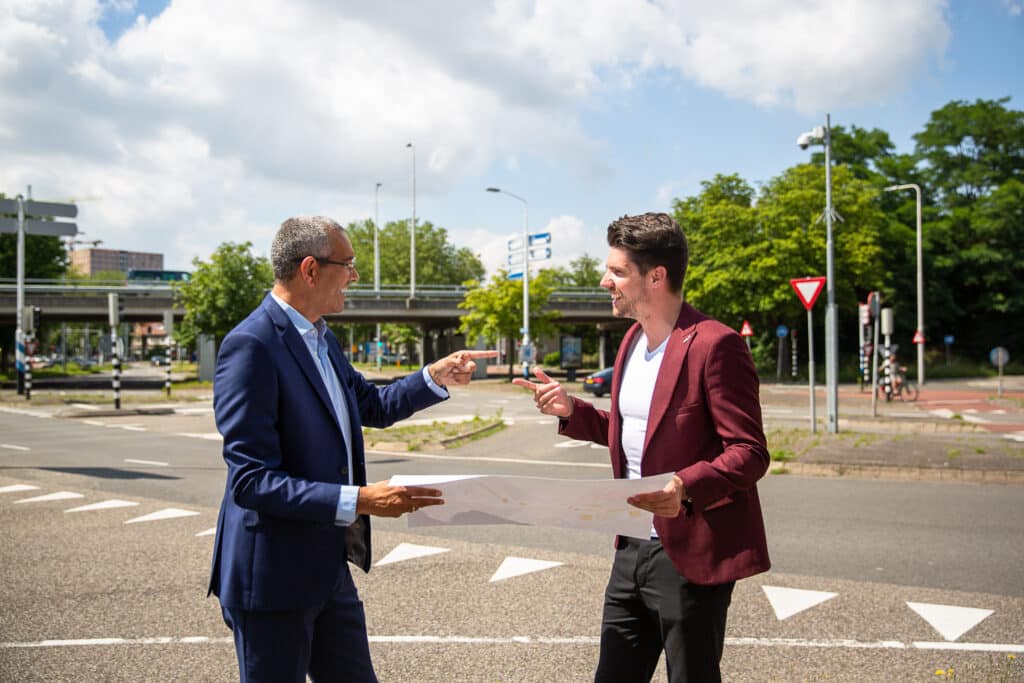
(905, 473)
(111, 412)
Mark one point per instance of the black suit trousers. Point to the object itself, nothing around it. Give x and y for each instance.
(650, 608)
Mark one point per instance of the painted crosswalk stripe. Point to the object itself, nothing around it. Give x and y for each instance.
(517, 566)
(166, 513)
(59, 495)
(409, 551)
(13, 447)
(103, 505)
(146, 462)
(208, 532)
(15, 488)
(950, 621)
(789, 601)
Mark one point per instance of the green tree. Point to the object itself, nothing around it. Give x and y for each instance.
(584, 271)
(438, 261)
(864, 151)
(495, 310)
(221, 292)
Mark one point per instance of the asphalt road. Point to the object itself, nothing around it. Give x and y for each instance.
(72, 583)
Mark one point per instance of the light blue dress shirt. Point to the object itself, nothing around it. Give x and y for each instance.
(313, 336)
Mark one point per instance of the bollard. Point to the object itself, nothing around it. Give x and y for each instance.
(167, 382)
(116, 361)
(28, 381)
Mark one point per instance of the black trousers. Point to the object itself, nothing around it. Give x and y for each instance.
(648, 608)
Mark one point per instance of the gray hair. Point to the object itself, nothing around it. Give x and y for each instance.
(298, 238)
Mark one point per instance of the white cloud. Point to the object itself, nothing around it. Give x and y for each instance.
(1014, 7)
(215, 120)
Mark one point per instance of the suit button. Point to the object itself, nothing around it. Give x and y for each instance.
(343, 471)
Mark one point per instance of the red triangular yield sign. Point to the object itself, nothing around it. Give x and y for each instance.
(808, 289)
(918, 337)
(746, 330)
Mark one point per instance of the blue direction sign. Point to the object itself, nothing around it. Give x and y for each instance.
(781, 331)
(999, 356)
(948, 340)
(540, 238)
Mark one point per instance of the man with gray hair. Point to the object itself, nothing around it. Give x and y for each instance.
(296, 503)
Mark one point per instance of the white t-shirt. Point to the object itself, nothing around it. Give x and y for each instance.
(635, 395)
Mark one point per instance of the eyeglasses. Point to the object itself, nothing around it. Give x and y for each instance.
(350, 264)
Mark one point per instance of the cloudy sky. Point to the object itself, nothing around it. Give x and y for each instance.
(180, 125)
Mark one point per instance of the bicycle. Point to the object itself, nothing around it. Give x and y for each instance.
(894, 384)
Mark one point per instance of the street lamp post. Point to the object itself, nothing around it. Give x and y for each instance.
(920, 280)
(412, 228)
(823, 136)
(526, 278)
(376, 260)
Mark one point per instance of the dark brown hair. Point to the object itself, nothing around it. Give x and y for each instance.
(652, 240)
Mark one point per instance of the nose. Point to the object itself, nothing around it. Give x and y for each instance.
(353, 274)
(606, 281)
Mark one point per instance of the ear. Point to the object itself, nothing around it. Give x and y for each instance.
(307, 270)
(658, 276)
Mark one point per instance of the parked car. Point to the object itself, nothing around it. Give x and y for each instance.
(600, 383)
(159, 360)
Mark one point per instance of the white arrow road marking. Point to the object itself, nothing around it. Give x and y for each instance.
(12, 447)
(517, 566)
(104, 505)
(409, 551)
(571, 444)
(146, 462)
(209, 532)
(167, 513)
(789, 601)
(59, 495)
(949, 620)
(15, 488)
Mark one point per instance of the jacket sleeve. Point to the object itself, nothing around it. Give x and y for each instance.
(731, 387)
(586, 423)
(245, 403)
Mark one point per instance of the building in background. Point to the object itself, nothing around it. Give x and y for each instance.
(91, 261)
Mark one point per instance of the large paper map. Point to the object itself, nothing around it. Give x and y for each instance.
(590, 504)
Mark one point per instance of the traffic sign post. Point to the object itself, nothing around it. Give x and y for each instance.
(948, 342)
(30, 214)
(807, 290)
(781, 332)
(999, 357)
(746, 331)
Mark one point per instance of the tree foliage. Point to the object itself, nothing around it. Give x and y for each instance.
(495, 310)
(438, 261)
(222, 292)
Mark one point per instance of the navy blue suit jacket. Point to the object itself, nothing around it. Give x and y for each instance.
(277, 546)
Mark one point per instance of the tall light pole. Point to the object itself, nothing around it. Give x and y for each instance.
(823, 136)
(376, 260)
(920, 280)
(412, 228)
(526, 278)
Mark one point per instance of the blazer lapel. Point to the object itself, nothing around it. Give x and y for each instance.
(671, 366)
(300, 352)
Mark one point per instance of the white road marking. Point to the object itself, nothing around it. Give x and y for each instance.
(94, 423)
(1015, 436)
(789, 601)
(167, 513)
(949, 620)
(15, 488)
(12, 447)
(104, 505)
(85, 406)
(146, 462)
(194, 411)
(734, 641)
(209, 436)
(133, 428)
(999, 412)
(59, 495)
(517, 566)
(942, 412)
(209, 532)
(571, 444)
(598, 447)
(516, 461)
(21, 411)
(409, 551)
(975, 419)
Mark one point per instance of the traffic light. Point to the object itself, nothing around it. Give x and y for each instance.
(37, 314)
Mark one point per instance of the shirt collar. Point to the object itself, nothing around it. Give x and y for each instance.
(302, 325)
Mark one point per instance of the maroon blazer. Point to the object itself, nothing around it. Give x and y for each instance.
(704, 425)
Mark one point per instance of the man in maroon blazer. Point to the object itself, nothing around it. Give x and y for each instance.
(684, 400)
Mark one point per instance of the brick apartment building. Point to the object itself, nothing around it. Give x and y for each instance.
(91, 261)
